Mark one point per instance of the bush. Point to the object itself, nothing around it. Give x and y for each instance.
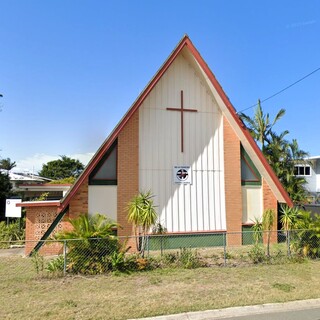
(14, 231)
(257, 254)
(306, 240)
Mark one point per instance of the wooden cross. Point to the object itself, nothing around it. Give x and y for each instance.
(181, 109)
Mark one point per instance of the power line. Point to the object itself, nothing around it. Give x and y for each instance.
(284, 89)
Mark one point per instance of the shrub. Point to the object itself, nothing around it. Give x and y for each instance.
(306, 240)
(257, 254)
(55, 266)
(14, 231)
(95, 244)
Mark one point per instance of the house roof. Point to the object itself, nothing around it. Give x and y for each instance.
(229, 111)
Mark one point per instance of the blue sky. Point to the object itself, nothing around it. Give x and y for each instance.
(69, 70)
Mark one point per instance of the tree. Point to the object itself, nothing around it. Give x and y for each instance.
(5, 192)
(281, 154)
(288, 219)
(142, 215)
(62, 168)
(267, 224)
(260, 125)
(7, 164)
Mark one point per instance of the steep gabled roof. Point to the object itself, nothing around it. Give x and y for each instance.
(227, 109)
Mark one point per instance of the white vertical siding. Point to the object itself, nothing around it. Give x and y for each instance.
(196, 207)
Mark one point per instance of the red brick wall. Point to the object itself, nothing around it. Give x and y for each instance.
(128, 171)
(79, 203)
(38, 220)
(270, 202)
(233, 192)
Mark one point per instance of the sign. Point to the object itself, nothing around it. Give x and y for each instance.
(11, 210)
(182, 174)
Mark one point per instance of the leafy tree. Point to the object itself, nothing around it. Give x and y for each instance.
(142, 215)
(7, 164)
(62, 168)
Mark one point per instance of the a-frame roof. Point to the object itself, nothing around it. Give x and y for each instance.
(228, 110)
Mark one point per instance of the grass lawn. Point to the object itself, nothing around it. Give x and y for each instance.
(153, 293)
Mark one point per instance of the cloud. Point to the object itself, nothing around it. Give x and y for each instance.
(35, 162)
(300, 24)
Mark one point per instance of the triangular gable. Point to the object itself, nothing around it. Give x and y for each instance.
(228, 110)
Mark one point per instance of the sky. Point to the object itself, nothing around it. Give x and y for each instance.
(69, 70)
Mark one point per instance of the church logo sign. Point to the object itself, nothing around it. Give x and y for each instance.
(182, 174)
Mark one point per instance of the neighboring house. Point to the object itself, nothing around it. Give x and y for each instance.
(183, 140)
(311, 172)
(31, 186)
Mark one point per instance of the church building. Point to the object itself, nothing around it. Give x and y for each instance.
(182, 140)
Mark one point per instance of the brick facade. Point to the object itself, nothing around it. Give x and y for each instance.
(128, 171)
(270, 202)
(38, 220)
(79, 203)
(233, 192)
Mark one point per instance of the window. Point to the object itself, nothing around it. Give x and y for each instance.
(249, 173)
(302, 170)
(105, 173)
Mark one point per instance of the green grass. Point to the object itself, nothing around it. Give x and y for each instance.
(158, 292)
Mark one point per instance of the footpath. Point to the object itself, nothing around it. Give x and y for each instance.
(304, 309)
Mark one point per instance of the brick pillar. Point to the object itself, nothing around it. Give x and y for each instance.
(270, 202)
(232, 179)
(79, 203)
(128, 172)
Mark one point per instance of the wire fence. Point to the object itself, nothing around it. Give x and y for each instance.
(20, 260)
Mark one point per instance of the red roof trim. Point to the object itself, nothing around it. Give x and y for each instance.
(232, 110)
(185, 41)
(85, 174)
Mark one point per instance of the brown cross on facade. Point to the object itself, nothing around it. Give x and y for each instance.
(181, 109)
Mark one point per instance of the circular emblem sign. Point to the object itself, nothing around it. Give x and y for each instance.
(182, 174)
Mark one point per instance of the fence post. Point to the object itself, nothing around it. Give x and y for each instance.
(224, 249)
(288, 243)
(64, 257)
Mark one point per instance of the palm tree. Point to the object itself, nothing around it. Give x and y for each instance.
(288, 220)
(260, 125)
(142, 215)
(281, 154)
(267, 224)
(7, 164)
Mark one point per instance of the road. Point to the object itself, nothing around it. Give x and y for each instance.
(307, 314)
(294, 310)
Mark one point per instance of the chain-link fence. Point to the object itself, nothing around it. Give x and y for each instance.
(21, 260)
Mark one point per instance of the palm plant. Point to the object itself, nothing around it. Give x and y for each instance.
(90, 242)
(257, 230)
(288, 220)
(281, 154)
(267, 224)
(142, 215)
(260, 126)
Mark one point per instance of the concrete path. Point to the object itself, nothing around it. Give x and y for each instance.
(11, 252)
(294, 310)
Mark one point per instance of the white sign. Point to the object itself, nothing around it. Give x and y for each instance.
(182, 174)
(11, 210)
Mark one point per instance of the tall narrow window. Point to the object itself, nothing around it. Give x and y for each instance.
(249, 173)
(105, 173)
